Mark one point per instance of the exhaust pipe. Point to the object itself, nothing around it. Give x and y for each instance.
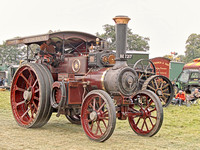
(121, 41)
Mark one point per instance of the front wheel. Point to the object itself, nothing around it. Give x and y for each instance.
(147, 113)
(98, 115)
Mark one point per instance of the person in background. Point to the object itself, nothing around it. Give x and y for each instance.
(193, 96)
(58, 47)
(48, 47)
(1, 82)
(180, 97)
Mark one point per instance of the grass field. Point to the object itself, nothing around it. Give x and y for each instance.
(180, 130)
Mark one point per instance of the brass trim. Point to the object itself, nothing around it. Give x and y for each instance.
(74, 67)
(121, 19)
(102, 79)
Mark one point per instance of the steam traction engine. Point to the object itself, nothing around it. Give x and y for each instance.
(91, 88)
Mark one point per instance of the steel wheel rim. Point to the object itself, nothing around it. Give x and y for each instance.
(146, 117)
(162, 88)
(95, 116)
(144, 67)
(25, 107)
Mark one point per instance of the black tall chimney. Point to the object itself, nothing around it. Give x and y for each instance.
(121, 32)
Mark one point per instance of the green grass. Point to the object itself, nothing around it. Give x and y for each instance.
(180, 130)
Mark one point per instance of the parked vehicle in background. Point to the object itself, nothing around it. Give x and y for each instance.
(188, 79)
(7, 74)
(167, 68)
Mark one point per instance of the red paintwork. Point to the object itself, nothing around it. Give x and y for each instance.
(21, 82)
(75, 92)
(138, 120)
(66, 66)
(162, 66)
(95, 129)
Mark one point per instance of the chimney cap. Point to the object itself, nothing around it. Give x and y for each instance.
(121, 19)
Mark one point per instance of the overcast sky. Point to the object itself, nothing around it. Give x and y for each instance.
(167, 23)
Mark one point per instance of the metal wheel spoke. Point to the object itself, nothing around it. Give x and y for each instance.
(149, 104)
(20, 103)
(142, 125)
(151, 122)
(91, 105)
(166, 94)
(94, 104)
(104, 123)
(36, 98)
(105, 115)
(105, 112)
(96, 130)
(98, 126)
(88, 112)
(89, 120)
(101, 107)
(165, 90)
(36, 90)
(138, 121)
(34, 83)
(164, 98)
(140, 105)
(165, 86)
(35, 105)
(133, 110)
(25, 79)
(151, 87)
(152, 110)
(26, 112)
(91, 125)
(32, 112)
(148, 66)
(156, 83)
(146, 124)
(19, 89)
(153, 117)
(161, 85)
(142, 65)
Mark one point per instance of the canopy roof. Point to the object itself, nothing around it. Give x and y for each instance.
(71, 36)
(194, 65)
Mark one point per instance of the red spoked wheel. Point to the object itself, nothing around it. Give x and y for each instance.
(147, 113)
(30, 95)
(98, 115)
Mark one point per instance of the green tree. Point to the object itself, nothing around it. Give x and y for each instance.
(134, 41)
(11, 54)
(192, 47)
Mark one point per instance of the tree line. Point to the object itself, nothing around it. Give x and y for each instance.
(13, 54)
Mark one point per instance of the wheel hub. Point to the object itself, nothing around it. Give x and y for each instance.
(145, 113)
(159, 92)
(27, 95)
(93, 116)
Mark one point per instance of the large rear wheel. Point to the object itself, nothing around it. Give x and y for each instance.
(162, 87)
(30, 92)
(147, 113)
(98, 115)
